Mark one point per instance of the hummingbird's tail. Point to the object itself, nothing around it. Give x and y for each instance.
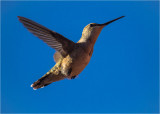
(46, 80)
(52, 75)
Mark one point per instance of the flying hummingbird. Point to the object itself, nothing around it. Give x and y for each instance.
(71, 58)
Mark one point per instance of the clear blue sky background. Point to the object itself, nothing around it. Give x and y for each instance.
(122, 75)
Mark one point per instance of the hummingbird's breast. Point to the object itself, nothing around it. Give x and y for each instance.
(77, 60)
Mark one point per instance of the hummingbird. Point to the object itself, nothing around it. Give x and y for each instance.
(71, 58)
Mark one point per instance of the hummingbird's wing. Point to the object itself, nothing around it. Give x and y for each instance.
(53, 39)
(57, 56)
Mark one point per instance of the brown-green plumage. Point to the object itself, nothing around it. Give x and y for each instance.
(71, 58)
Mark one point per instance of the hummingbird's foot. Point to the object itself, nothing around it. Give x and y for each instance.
(73, 77)
(69, 72)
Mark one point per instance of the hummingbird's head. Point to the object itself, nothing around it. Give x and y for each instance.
(92, 30)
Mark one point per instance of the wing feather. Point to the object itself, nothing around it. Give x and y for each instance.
(53, 39)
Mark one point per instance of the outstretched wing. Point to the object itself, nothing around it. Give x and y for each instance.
(53, 39)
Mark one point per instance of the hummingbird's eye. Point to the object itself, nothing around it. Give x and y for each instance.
(91, 25)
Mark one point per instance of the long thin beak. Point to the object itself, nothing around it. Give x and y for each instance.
(109, 21)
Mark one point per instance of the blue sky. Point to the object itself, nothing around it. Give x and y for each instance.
(122, 76)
